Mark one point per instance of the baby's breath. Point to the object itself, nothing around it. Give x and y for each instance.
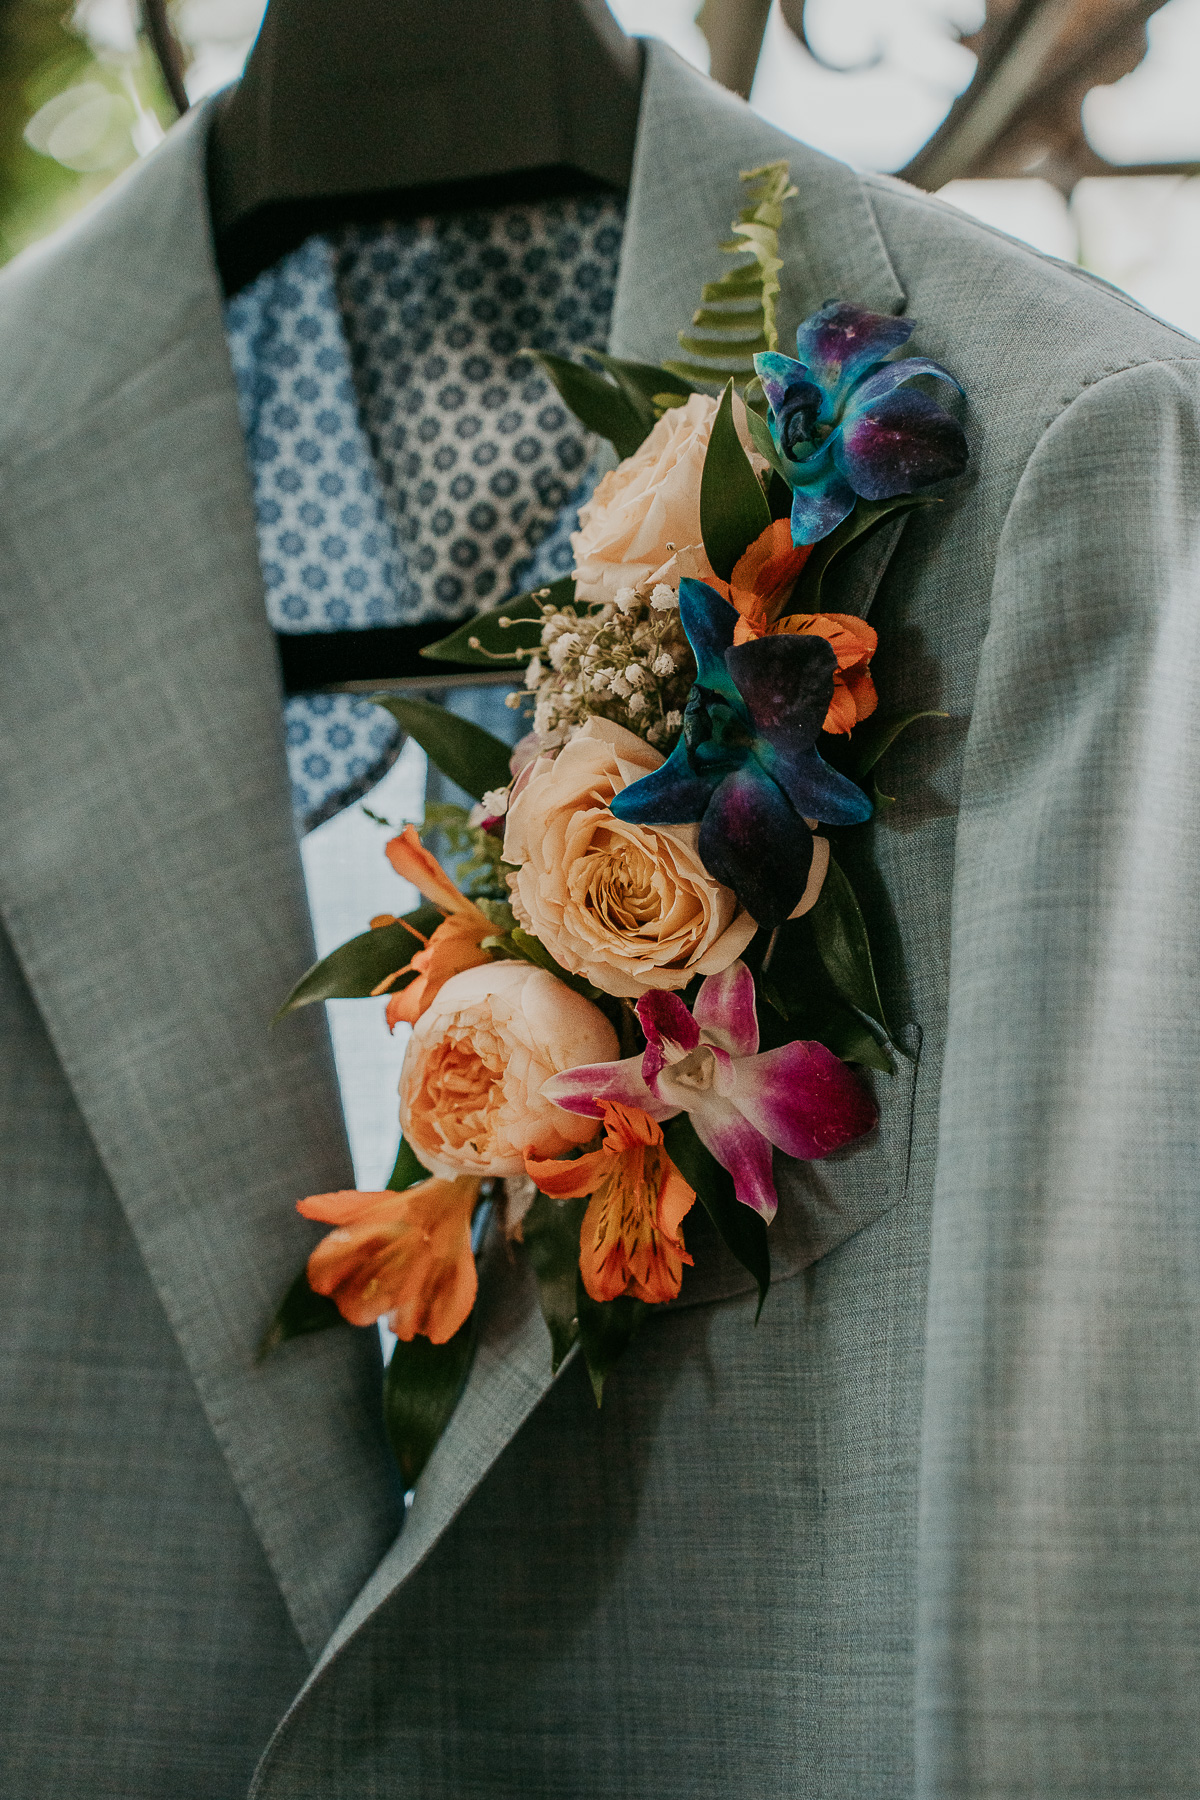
(626, 660)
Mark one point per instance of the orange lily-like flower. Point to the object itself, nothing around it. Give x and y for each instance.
(853, 642)
(407, 1255)
(760, 586)
(631, 1242)
(763, 578)
(452, 947)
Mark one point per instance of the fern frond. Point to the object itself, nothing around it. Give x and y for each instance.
(737, 317)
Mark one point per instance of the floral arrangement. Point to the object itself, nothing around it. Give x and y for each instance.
(648, 976)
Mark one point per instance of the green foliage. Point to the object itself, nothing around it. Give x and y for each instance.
(352, 970)
(550, 1233)
(733, 507)
(742, 1230)
(422, 1385)
(799, 1000)
(600, 405)
(622, 404)
(476, 854)
(407, 1170)
(45, 59)
(840, 934)
(300, 1313)
(465, 753)
(505, 636)
(867, 517)
(737, 317)
(606, 1329)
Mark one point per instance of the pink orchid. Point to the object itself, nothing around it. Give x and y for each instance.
(801, 1098)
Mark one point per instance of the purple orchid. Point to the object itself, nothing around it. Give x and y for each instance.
(841, 424)
(801, 1098)
(747, 766)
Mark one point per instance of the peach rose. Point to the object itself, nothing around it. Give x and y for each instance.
(470, 1085)
(631, 907)
(648, 508)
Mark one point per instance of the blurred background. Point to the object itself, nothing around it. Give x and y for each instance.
(1074, 124)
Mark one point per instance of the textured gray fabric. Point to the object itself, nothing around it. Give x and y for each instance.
(713, 1586)
(144, 1646)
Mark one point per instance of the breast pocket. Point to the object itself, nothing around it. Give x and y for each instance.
(821, 1204)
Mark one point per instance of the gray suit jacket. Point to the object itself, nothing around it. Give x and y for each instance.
(931, 1529)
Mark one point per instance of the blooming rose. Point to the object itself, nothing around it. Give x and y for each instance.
(630, 906)
(649, 506)
(470, 1086)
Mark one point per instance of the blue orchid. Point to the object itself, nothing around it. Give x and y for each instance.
(844, 422)
(746, 767)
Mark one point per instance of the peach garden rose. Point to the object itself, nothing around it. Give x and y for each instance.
(631, 907)
(648, 508)
(470, 1086)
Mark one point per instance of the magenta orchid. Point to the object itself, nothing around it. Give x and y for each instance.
(801, 1099)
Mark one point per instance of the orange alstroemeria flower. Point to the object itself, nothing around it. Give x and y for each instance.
(452, 947)
(763, 578)
(631, 1242)
(760, 586)
(407, 1255)
(853, 642)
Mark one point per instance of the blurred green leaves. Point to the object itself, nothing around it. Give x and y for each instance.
(80, 99)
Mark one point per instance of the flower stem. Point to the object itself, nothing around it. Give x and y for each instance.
(770, 950)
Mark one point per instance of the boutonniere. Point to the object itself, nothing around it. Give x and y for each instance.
(648, 975)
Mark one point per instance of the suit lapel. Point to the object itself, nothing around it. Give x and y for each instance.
(693, 140)
(151, 882)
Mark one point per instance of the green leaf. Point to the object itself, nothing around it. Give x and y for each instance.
(867, 516)
(407, 1171)
(352, 970)
(550, 1233)
(878, 734)
(840, 933)
(733, 507)
(422, 1385)
(599, 404)
(649, 388)
(499, 645)
(301, 1312)
(606, 1329)
(465, 753)
(798, 991)
(742, 1231)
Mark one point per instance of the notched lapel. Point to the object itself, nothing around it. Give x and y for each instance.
(151, 882)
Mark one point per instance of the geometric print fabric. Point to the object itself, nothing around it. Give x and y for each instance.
(408, 465)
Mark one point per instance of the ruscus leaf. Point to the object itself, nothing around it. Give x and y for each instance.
(465, 753)
(733, 507)
(606, 1329)
(499, 645)
(601, 405)
(878, 734)
(352, 970)
(550, 1232)
(407, 1170)
(742, 1231)
(840, 933)
(300, 1312)
(422, 1385)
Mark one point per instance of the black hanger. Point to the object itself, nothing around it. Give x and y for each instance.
(360, 109)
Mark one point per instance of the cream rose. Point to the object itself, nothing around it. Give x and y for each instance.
(470, 1085)
(648, 508)
(630, 906)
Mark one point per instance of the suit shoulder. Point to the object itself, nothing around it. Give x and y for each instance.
(931, 240)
